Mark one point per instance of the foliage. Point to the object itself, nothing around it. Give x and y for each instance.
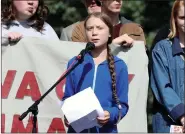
(61, 14)
(133, 10)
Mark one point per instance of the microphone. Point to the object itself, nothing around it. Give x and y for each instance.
(89, 47)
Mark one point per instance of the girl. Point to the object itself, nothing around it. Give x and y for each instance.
(167, 74)
(105, 73)
(22, 18)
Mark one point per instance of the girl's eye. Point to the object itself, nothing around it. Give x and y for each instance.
(100, 28)
(181, 17)
(89, 28)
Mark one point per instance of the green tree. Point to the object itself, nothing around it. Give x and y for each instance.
(62, 14)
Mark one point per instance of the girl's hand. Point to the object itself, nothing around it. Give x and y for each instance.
(123, 40)
(14, 36)
(103, 121)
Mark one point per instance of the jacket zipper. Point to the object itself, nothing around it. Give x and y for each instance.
(94, 83)
(94, 79)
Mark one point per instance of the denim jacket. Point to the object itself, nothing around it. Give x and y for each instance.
(167, 83)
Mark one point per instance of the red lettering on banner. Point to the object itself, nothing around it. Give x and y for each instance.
(2, 123)
(18, 126)
(59, 89)
(29, 79)
(130, 77)
(56, 126)
(8, 83)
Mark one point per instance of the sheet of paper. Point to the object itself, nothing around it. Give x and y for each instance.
(175, 129)
(82, 109)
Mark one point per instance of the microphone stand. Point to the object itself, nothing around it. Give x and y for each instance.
(34, 107)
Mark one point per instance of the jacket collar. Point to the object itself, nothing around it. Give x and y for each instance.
(124, 20)
(176, 48)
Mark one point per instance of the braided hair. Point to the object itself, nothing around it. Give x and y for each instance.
(110, 59)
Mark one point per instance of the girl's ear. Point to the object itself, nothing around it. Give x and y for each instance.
(109, 35)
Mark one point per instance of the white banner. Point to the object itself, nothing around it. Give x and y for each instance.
(33, 65)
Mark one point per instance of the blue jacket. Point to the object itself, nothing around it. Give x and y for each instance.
(167, 83)
(99, 79)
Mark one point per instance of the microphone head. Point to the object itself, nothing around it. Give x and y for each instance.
(90, 46)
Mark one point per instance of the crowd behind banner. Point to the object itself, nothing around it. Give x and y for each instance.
(113, 35)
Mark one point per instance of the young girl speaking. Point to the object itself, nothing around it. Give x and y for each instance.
(106, 74)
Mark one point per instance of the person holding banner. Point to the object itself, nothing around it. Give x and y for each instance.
(25, 18)
(105, 73)
(122, 26)
(167, 75)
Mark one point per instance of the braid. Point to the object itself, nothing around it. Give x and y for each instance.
(110, 59)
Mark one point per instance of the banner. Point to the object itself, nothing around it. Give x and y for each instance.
(33, 65)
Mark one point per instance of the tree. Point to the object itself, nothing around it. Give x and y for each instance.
(62, 14)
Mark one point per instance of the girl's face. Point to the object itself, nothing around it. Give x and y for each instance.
(180, 20)
(24, 9)
(113, 5)
(97, 31)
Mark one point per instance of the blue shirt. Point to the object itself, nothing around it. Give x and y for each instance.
(167, 83)
(99, 78)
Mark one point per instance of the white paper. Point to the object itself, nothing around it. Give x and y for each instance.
(82, 109)
(175, 129)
